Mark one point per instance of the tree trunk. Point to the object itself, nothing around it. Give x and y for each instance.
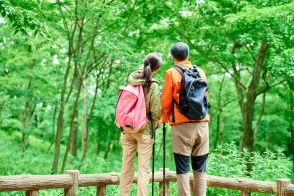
(248, 132)
(74, 122)
(220, 127)
(98, 148)
(84, 117)
(72, 127)
(107, 150)
(220, 123)
(65, 157)
(26, 117)
(248, 138)
(74, 136)
(291, 123)
(76, 51)
(248, 111)
(77, 83)
(62, 104)
(85, 147)
(258, 123)
(53, 127)
(60, 121)
(84, 123)
(81, 76)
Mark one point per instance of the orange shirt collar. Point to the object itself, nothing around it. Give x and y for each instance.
(185, 64)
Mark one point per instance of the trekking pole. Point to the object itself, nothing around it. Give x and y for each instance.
(153, 154)
(164, 135)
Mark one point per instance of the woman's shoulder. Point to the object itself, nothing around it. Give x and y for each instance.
(154, 87)
(154, 83)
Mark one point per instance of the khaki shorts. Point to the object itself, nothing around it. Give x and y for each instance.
(191, 139)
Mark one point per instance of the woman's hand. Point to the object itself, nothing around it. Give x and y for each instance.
(160, 123)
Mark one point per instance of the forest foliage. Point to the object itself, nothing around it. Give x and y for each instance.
(62, 63)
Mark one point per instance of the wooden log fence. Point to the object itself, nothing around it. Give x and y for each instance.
(72, 180)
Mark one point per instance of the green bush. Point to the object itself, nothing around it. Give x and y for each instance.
(227, 161)
(10, 125)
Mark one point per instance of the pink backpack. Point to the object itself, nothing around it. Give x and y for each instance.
(130, 112)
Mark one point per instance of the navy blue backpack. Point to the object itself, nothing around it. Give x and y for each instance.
(193, 103)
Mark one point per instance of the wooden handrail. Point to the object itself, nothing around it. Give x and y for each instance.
(72, 180)
(242, 184)
(289, 190)
(35, 182)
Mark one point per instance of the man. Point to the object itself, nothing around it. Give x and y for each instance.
(190, 138)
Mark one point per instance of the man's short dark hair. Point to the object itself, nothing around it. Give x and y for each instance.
(180, 51)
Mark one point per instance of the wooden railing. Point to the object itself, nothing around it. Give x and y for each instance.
(72, 180)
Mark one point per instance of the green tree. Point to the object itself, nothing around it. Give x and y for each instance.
(245, 39)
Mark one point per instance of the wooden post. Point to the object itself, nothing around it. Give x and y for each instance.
(32, 193)
(114, 177)
(101, 190)
(166, 184)
(245, 193)
(74, 190)
(191, 186)
(281, 184)
(166, 189)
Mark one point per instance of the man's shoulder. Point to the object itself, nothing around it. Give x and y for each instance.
(170, 70)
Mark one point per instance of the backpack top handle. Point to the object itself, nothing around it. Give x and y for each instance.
(183, 70)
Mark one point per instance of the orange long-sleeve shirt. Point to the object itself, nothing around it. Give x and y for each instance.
(171, 90)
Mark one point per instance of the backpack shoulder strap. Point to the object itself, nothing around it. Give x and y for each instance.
(180, 69)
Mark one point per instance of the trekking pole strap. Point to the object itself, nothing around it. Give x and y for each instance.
(164, 136)
(153, 135)
(153, 154)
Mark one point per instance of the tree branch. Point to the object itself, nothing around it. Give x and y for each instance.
(213, 59)
(223, 105)
(265, 88)
(129, 17)
(251, 53)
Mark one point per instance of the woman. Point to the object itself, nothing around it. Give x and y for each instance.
(142, 141)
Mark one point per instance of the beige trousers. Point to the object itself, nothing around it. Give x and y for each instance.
(191, 140)
(132, 143)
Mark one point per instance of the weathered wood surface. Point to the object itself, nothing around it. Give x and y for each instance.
(32, 193)
(95, 179)
(39, 182)
(34, 182)
(101, 190)
(281, 184)
(166, 188)
(245, 193)
(242, 184)
(74, 189)
(289, 190)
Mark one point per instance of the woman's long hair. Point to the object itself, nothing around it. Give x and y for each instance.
(151, 63)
